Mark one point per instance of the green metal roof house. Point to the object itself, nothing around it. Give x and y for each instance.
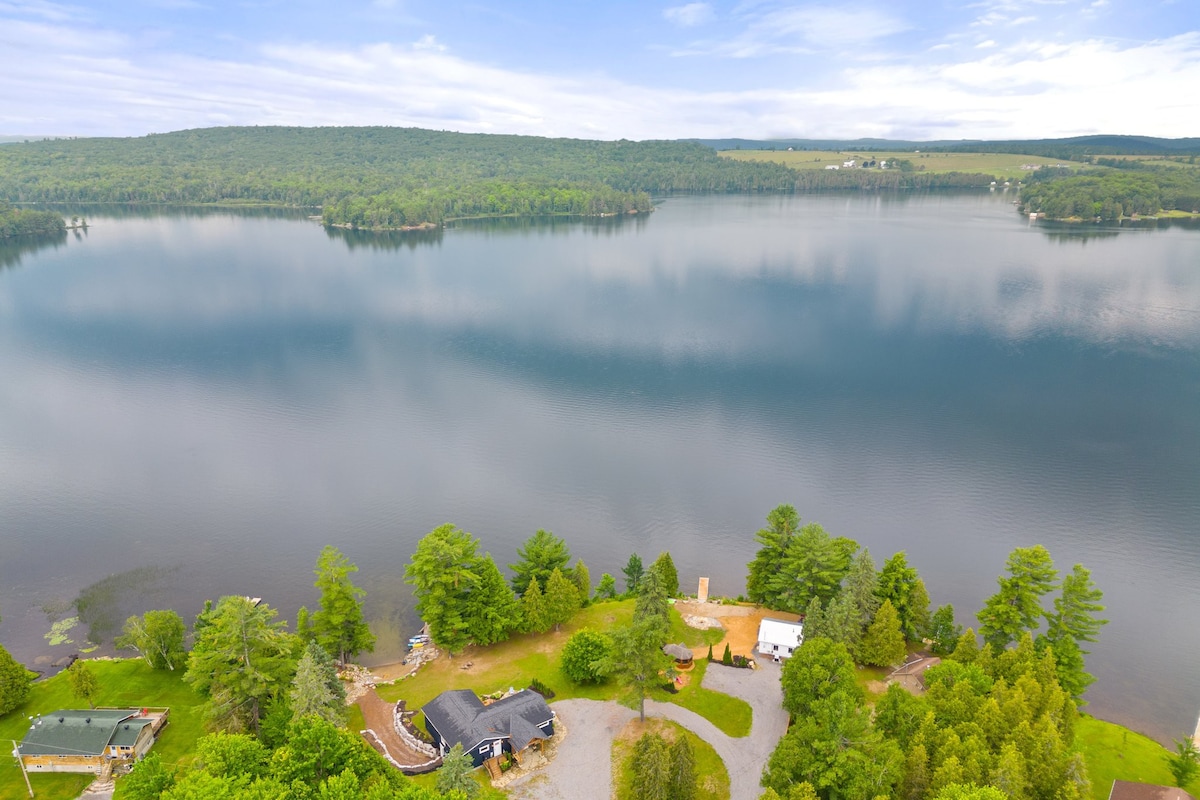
(86, 741)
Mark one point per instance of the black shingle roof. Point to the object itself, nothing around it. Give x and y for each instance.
(460, 717)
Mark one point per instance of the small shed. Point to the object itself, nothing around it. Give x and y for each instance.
(682, 655)
(778, 639)
(511, 724)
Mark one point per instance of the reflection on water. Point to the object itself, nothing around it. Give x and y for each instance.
(231, 393)
(13, 248)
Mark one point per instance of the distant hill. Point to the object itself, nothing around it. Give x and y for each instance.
(1072, 147)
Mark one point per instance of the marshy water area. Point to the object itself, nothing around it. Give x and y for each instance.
(193, 404)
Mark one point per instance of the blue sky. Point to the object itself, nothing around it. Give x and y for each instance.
(609, 70)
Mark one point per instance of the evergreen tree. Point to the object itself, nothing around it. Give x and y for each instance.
(534, 616)
(1074, 621)
(943, 632)
(338, 625)
(14, 682)
(883, 644)
(1017, 607)
(683, 769)
(898, 583)
(652, 603)
(582, 579)
(316, 688)
(727, 656)
(814, 620)
(813, 566)
(607, 588)
(651, 768)
(782, 524)
(841, 623)
(84, 683)
(966, 649)
(668, 576)
(636, 659)
(918, 613)
(444, 571)
(241, 659)
(491, 611)
(455, 773)
(561, 599)
(541, 554)
(859, 589)
(633, 572)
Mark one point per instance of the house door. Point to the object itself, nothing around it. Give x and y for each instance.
(497, 748)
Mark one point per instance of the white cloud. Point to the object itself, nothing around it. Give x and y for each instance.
(795, 29)
(690, 15)
(428, 42)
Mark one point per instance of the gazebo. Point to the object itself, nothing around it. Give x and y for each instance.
(683, 656)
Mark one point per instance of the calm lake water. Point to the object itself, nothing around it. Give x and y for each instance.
(194, 404)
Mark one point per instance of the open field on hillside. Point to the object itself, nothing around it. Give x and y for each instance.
(1002, 165)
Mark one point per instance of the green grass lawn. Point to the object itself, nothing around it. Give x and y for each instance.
(1116, 753)
(712, 778)
(1002, 165)
(524, 657)
(127, 683)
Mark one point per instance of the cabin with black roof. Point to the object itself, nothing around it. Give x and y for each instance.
(486, 731)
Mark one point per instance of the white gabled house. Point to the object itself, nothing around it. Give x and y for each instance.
(778, 639)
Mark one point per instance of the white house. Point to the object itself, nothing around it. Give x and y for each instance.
(849, 163)
(778, 639)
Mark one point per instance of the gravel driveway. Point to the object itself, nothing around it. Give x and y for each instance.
(583, 767)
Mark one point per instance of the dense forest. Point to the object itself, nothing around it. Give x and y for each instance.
(1110, 194)
(1071, 148)
(401, 177)
(21, 222)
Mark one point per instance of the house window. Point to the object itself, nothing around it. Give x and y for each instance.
(775, 648)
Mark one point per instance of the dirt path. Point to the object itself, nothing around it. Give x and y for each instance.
(377, 713)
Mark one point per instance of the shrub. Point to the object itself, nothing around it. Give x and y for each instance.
(541, 688)
(727, 658)
(580, 654)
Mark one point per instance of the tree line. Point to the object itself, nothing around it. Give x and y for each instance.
(996, 720)
(1111, 194)
(25, 222)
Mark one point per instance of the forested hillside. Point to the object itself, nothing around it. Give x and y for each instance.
(1110, 194)
(374, 176)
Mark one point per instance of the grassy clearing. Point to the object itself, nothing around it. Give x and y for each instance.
(711, 776)
(1002, 165)
(521, 659)
(1113, 753)
(127, 683)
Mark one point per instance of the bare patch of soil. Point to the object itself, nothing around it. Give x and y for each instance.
(740, 622)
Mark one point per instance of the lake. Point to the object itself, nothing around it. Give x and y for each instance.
(194, 403)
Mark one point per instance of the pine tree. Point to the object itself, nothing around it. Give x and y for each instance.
(652, 768)
(491, 611)
(444, 571)
(455, 773)
(883, 644)
(814, 620)
(338, 625)
(561, 599)
(918, 613)
(541, 554)
(652, 603)
(682, 785)
(859, 589)
(1017, 607)
(727, 656)
(316, 688)
(583, 581)
(775, 539)
(943, 631)
(668, 576)
(533, 610)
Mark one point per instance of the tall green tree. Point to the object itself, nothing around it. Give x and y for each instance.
(633, 572)
(683, 769)
(582, 579)
(444, 571)
(541, 554)
(636, 659)
(316, 688)
(157, 636)
(919, 618)
(883, 644)
(14, 682)
(1075, 620)
(668, 576)
(651, 768)
(241, 660)
(813, 566)
(1017, 606)
(84, 683)
(534, 616)
(491, 610)
(898, 583)
(561, 599)
(339, 625)
(859, 588)
(782, 524)
(651, 605)
(817, 670)
(943, 632)
(607, 588)
(455, 774)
